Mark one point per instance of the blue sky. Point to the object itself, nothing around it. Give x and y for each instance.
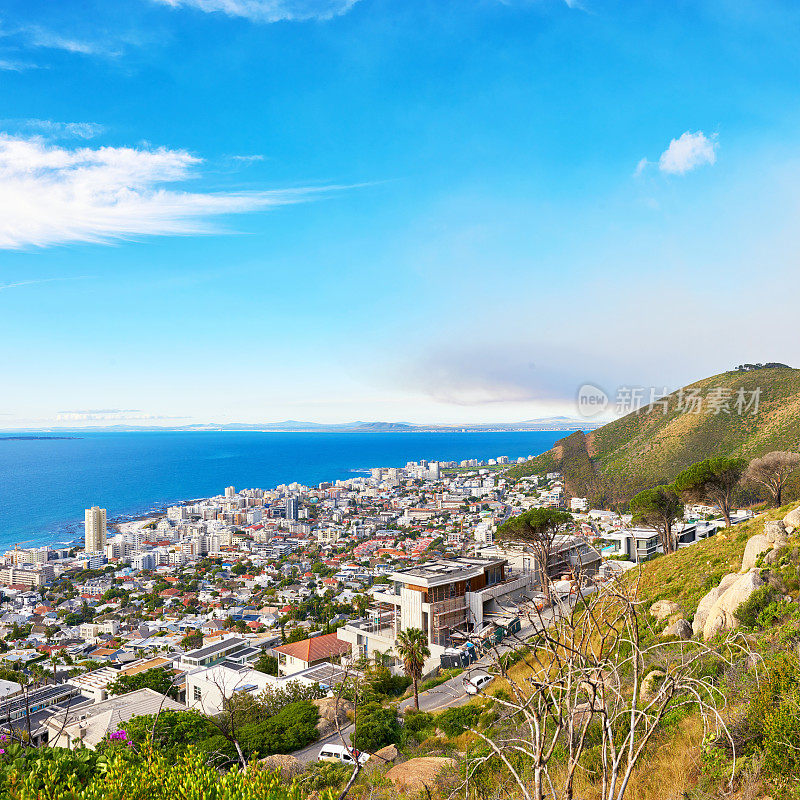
(256, 210)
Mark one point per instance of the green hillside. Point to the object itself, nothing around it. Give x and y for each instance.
(646, 448)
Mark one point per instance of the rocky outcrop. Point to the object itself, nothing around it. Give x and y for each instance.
(792, 520)
(707, 603)
(680, 628)
(664, 609)
(756, 546)
(721, 616)
(775, 532)
(326, 725)
(386, 755)
(418, 774)
(289, 766)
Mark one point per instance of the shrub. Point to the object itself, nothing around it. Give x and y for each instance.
(291, 728)
(376, 727)
(772, 715)
(455, 721)
(124, 774)
(324, 775)
(416, 721)
(763, 608)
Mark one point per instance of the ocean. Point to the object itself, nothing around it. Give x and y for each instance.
(46, 483)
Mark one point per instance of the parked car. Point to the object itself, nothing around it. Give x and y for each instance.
(477, 681)
(342, 754)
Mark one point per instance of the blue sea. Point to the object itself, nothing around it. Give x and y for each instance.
(45, 484)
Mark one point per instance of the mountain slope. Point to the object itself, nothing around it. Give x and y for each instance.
(646, 448)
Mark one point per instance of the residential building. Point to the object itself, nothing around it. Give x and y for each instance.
(96, 529)
(299, 656)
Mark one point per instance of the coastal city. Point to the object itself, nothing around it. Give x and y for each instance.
(258, 590)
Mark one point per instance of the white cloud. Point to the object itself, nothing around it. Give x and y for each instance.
(41, 37)
(13, 65)
(55, 195)
(108, 415)
(70, 130)
(4, 286)
(270, 10)
(688, 152)
(641, 167)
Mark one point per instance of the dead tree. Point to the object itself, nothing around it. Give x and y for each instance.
(772, 471)
(587, 670)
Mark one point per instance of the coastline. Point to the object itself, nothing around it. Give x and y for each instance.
(140, 477)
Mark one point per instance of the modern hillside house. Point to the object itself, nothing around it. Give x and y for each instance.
(442, 598)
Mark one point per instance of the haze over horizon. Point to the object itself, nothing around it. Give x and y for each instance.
(440, 212)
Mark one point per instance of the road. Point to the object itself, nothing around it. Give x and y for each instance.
(446, 695)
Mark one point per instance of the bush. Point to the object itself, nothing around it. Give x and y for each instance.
(291, 728)
(176, 730)
(455, 721)
(415, 721)
(375, 728)
(772, 716)
(60, 774)
(322, 775)
(762, 609)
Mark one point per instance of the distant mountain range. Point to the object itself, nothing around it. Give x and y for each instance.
(296, 426)
(746, 412)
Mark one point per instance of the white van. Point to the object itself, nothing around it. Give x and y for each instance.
(477, 681)
(342, 754)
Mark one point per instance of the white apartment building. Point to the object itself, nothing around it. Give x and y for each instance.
(443, 598)
(95, 529)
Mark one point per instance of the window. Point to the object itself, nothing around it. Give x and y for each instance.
(198, 694)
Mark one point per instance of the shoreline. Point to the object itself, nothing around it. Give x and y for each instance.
(69, 532)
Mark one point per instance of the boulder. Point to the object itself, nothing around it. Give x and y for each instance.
(792, 520)
(326, 725)
(651, 685)
(386, 755)
(680, 628)
(707, 603)
(775, 531)
(662, 609)
(289, 766)
(419, 774)
(756, 545)
(721, 616)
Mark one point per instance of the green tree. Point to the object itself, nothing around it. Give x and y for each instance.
(267, 664)
(712, 481)
(537, 528)
(412, 647)
(659, 507)
(155, 679)
(376, 727)
(192, 640)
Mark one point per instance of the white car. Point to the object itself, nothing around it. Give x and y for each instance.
(342, 754)
(477, 681)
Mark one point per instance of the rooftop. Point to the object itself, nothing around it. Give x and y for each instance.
(445, 570)
(316, 648)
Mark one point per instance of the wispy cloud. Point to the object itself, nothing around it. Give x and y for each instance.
(59, 130)
(4, 286)
(56, 195)
(689, 151)
(109, 415)
(248, 159)
(37, 36)
(14, 65)
(269, 10)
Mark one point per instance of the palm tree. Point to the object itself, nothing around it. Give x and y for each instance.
(412, 647)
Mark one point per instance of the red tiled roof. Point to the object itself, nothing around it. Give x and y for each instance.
(315, 649)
